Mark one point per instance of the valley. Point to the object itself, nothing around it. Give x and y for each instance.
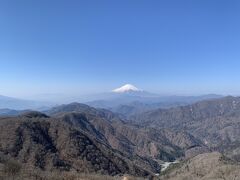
(79, 138)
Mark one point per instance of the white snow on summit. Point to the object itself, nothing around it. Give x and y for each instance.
(126, 88)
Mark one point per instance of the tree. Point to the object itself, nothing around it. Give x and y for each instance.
(12, 168)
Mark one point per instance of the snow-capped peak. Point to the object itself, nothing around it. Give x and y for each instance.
(126, 88)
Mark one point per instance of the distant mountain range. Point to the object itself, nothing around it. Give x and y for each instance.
(21, 104)
(79, 138)
(126, 98)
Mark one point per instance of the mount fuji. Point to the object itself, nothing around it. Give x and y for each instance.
(131, 90)
(128, 99)
(126, 88)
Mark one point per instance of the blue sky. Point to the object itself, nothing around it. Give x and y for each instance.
(78, 47)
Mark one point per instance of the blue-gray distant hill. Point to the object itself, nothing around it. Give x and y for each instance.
(21, 104)
(128, 100)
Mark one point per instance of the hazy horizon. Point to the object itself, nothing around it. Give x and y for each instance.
(87, 97)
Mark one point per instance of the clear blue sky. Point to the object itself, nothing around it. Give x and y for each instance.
(86, 46)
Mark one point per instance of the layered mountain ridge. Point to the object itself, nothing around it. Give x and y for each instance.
(215, 122)
(78, 138)
(130, 149)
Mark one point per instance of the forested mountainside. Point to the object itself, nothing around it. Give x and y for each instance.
(76, 138)
(215, 123)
